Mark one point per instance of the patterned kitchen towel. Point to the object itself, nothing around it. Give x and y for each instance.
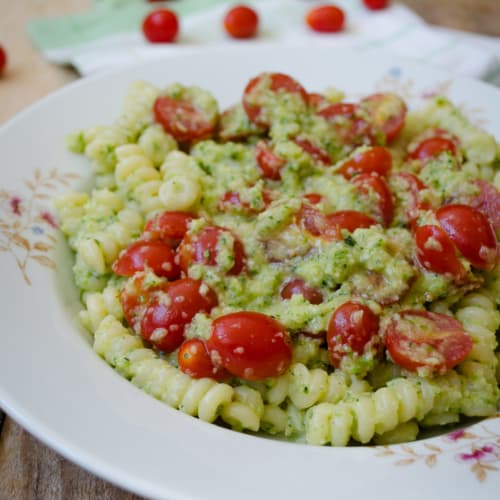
(110, 34)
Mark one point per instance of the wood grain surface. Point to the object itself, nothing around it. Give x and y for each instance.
(29, 469)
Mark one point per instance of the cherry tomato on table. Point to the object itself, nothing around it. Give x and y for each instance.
(353, 327)
(3, 59)
(250, 345)
(168, 312)
(471, 232)
(376, 186)
(422, 339)
(326, 19)
(297, 286)
(142, 254)
(372, 160)
(161, 25)
(241, 21)
(194, 360)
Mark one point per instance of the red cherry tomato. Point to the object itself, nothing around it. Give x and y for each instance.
(231, 201)
(317, 101)
(194, 360)
(250, 345)
(436, 252)
(202, 249)
(326, 19)
(376, 160)
(387, 114)
(376, 4)
(318, 154)
(431, 147)
(155, 255)
(414, 186)
(422, 339)
(313, 198)
(167, 313)
(3, 59)
(332, 111)
(350, 220)
(258, 95)
(374, 185)
(488, 202)
(241, 22)
(353, 327)
(269, 162)
(314, 222)
(161, 25)
(170, 227)
(297, 286)
(471, 232)
(182, 119)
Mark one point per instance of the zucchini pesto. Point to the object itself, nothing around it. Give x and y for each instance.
(321, 270)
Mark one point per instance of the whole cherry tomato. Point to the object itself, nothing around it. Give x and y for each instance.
(376, 4)
(168, 312)
(241, 21)
(326, 19)
(194, 360)
(3, 59)
(297, 286)
(143, 254)
(422, 339)
(471, 232)
(202, 249)
(269, 162)
(161, 25)
(376, 160)
(353, 328)
(170, 227)
(250, 345)
(376, 186)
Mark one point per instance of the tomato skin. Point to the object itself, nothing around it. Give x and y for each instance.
(269, 163)
(471, 232)
(241, 22)
(194, 360)
(325, 19)
(331, 111)
(313, 198)
(432, 147)
(314, 222)
(373, 183)
(350, 220)
(376, 105)
(161, 26)
(422, 339)
(256, 108)
(436, 252)
(318, 154)
(298, 286)
(202, 248)
(182, 119)
(376, 4)
(488, 202)
(352, 327)
(3, 59)
(415, 185)
(376, 160)
(169, 226)
(250, 345)
(167, 313)
(231, 200)
(142, 254)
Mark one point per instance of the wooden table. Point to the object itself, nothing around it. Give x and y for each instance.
(28, 469)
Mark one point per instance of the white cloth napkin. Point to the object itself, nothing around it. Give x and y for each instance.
(395, 29)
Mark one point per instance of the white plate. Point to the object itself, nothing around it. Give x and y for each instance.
(54, 385)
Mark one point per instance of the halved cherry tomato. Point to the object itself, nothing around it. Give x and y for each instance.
(297, 286)
(241, 21)
(433, 143)
(318, 154)
(387, 113)
(182, 119)
(332, 111)
(194, 360)
(258, 95)
(422, 339)
(314, 222)
(414, 186)
(376, 160)
(250, 345)
(436, 252)
(353, 327)
(168, 312)
(170, 227)
(373, 184)
(376, 4)
(143, 254)
(317, 101)
(488, 202)
(471, 232)
(161, 25)
(231, 201)
(202, 249)
(313, 198)
(350, 220)
(325, 19)
(3, 59)
(269, 162)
